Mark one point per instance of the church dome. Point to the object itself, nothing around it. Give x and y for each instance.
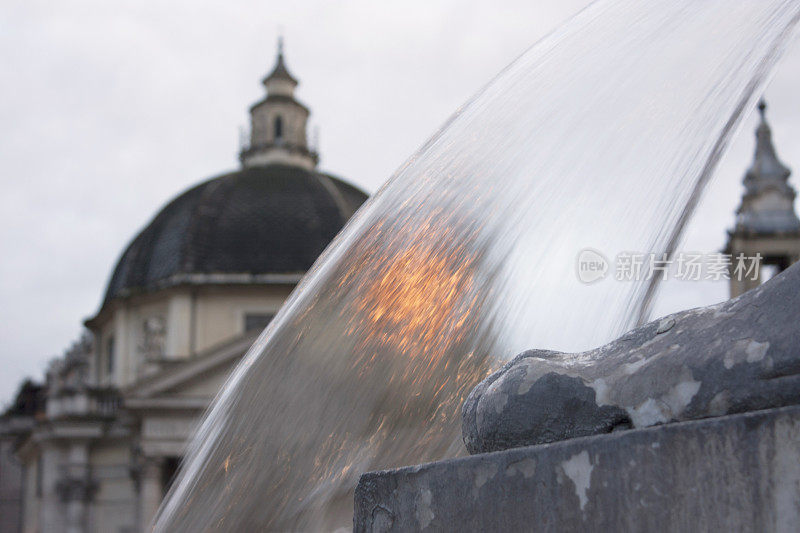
(264, 224)
(257, 225)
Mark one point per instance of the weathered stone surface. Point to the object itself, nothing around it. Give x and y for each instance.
(731, 473)
(738, 356)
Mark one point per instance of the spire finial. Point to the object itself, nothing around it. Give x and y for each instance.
(768, 203)
(279, 71)
(766, 165)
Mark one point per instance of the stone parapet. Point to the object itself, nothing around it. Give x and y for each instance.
(732, 473)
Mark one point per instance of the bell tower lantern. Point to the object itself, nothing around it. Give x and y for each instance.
(278, 123)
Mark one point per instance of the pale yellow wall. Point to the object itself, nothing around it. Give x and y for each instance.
(196, 319)
(179, 325)
(221, 312)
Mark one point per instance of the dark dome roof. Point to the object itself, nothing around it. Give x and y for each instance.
(258, 221)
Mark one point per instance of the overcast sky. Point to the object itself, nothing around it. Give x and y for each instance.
(109, 109)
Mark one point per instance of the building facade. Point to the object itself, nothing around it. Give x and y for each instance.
(186, 300)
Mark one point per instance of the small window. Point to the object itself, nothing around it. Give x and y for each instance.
(110, 355)
(278, 128)
(39, 474)
(257, 321)
(168, 472)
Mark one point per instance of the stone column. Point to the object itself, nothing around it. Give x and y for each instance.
(50, 512)
(79, 489)
(151, 490)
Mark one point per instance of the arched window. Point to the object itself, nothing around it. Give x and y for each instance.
(278, 128)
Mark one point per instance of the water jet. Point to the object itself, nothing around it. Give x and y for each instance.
(466, 257)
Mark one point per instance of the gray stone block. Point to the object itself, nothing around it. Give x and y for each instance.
(738, 356)
(732, 473)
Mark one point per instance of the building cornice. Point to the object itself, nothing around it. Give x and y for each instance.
(178, 281)
(167, 403)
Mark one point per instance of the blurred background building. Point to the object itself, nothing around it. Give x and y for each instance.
(96, 447)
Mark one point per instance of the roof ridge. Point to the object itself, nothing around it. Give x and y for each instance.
(334, 191)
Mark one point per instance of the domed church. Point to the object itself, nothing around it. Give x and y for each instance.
(187, 298)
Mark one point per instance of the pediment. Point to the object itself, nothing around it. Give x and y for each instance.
(199, 378)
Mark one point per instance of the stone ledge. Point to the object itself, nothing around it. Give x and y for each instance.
(732, 473)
